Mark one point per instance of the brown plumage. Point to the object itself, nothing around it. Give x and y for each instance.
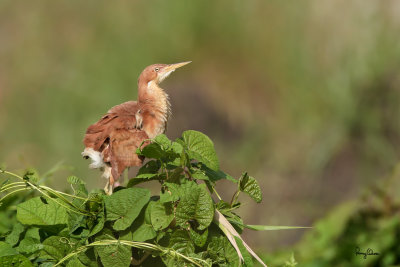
(111, 142)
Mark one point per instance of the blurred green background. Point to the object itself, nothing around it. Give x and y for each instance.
(305, 96)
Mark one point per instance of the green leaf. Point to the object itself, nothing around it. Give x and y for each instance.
(199, 238)
(32, 176)
(248, 261)
(201, 148)
(250, 186)
(75, 262)
(78, 185)
(195, 204)
(15, 260)
(99, 224)
(177, 147)
(135, 181)
(32, 233)
(148, 170)
(56, 247)
(236, 222)
(199, 175)
(141, 229)
(13, 237)
(163, 141)
(216, 175)
(171, 193)
(161, 215)
(272, 228)
(171, 261)
(6, 249)
(125, 205)
(152, 151)
(222, 252)
(75, 221)
(29, 245)
(88, 258)
(114, 255)
(180, 241)
(7, 220)
(41, 212)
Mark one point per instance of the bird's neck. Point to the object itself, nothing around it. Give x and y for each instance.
(152, 95)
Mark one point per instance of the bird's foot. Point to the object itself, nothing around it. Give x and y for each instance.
(108, 189)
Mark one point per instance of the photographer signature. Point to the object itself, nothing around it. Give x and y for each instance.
(365, 254)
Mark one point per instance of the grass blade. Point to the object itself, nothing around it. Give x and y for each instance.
(273, 228)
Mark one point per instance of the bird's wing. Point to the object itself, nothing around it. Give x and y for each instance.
(116, 136)
(119, 117)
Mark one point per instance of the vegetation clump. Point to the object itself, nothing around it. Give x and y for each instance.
(182, 226)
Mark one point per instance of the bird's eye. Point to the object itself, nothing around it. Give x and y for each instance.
(157, 69)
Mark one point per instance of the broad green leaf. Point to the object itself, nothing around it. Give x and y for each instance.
(173, 261)
(6, 249)
(148, 170)
(114, 255)
(152, 151)
(32, 233)
(75, 221)
(88, 258)
(161, 215)
(201, 148)
(216, 175)
(135, 181)
(199, 175)
(167, 197)
(163, 141)
(29, 245)
(177, 147)
(180, 241)
(15, 260)
(146, 175)
(141, 229)
(6, 220)
(125, 205)
(41, 212)
(221, 251)
(250, 186)
(99, 224)
(195, 204)
(13, 237)
(75, 262)
(171, 192)
(199, 238)
(57, 247)
(272, 228)
(248, 261)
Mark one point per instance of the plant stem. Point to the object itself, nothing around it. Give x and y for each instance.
(15, 191)
(235, 197)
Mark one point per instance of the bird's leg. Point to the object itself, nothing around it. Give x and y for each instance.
(110, 185)
(106, 187)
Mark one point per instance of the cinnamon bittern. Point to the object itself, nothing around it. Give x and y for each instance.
(111, 142)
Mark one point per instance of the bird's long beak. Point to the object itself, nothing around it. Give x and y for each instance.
(167, 70)
(173, 67)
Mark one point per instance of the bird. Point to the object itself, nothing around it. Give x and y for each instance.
(112, 141)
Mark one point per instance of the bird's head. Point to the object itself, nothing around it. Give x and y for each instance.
(158, 72)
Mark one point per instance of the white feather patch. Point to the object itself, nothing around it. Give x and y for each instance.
(95, 156)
